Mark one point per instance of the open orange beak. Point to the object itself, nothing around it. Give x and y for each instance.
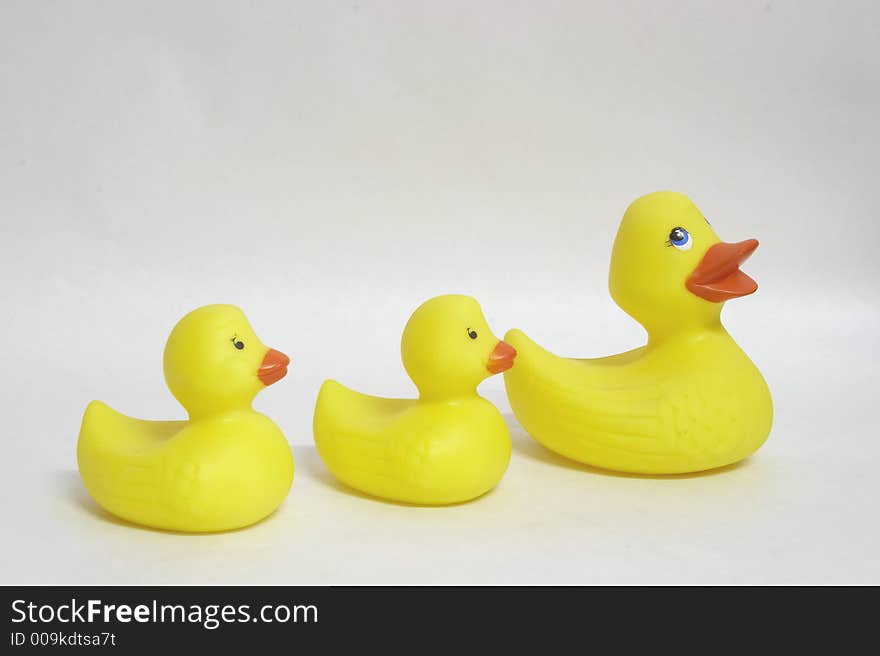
(501, 358)
(273, 368)
(717, 277)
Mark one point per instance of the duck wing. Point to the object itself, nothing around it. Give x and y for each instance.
(122, 465)
(615, 413)
(359, 439)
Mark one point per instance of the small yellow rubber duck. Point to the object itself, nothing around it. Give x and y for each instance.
(225, 468)
(690, 399)
(448, 446)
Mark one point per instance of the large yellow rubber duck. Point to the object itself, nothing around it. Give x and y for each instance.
(448, 446)
(225, 468)
(690, 399)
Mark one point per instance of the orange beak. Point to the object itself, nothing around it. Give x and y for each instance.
(501, 358)
(273, 368)
(717, 277)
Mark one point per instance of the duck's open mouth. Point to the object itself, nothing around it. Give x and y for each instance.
(273, 368)
(501, 358)
(717, 277)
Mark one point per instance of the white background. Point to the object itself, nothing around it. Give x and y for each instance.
(328, 166)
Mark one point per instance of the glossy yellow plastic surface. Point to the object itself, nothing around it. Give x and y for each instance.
(690, 399)
(449, 445)
(225, 468)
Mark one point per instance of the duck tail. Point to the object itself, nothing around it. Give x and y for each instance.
(97, 413)
(327, 421)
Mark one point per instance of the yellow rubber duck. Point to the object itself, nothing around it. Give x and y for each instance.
(690, 399)
(225, 468)
(448, 446)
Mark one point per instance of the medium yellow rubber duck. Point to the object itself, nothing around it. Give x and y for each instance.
(690, 399)
(448, 446)
(225, 468)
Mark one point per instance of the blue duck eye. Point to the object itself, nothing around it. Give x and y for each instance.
(680, 238)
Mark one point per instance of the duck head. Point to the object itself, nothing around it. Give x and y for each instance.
(215, 362)
(670, 270)
(448, 349)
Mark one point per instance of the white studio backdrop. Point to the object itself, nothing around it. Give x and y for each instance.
(328, 167)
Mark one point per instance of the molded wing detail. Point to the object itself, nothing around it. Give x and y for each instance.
(613, 414)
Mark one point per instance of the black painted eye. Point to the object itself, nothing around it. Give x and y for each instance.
(472, 333)
(237, 343)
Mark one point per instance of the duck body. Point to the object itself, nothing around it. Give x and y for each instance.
(214, 474)
(447, 446)
(225, 467)
(687, 401)
(694, 404)
(420, 452)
